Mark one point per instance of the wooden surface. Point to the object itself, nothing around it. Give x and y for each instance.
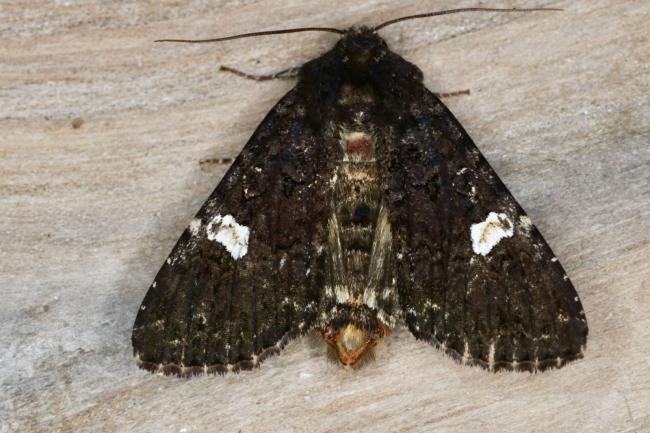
(559, 104)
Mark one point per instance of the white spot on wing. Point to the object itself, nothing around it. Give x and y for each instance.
(485, 235)
(231, 235)
(195, 226)
(525, 222)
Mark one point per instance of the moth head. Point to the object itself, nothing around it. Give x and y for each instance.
(361, 46)
(352, 332)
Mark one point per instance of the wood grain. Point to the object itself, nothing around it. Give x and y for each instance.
(559, 104)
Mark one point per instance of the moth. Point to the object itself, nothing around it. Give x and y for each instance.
(359, 203)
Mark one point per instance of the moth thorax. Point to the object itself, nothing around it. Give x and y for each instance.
(356, 97)
(358, 146)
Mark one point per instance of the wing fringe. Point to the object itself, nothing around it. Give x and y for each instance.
(536, 366)
(187, 371)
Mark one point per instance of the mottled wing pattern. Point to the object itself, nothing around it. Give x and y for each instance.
(214, 310)
(503, 303)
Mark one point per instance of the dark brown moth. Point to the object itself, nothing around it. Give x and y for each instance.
(359, 203)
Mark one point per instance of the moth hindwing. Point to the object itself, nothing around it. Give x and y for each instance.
(359, 203)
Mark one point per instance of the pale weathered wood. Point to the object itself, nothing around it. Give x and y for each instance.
(559, 104)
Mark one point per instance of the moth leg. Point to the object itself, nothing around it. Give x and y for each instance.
(464, 92)
(285, 74)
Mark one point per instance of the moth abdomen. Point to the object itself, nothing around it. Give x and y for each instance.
(360, 247)
(352, 330)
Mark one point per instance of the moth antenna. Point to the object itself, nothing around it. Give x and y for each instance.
(250, 35)
(453, 11)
